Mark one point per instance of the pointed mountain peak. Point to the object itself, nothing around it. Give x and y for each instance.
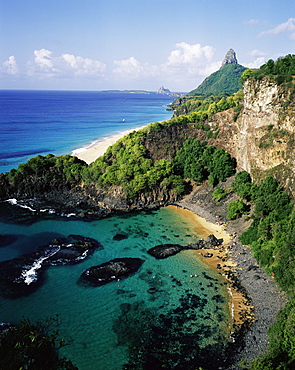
(230, 58)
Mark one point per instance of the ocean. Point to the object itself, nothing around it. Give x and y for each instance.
(172, 312)
(58, 122)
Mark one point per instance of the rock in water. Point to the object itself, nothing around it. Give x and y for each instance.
(163, 90)
(23, 275)
(230, 58)
(165, 250)
(120, 237)
(115, 269)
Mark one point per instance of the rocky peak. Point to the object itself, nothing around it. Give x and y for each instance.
(230, 58)
(163, 90)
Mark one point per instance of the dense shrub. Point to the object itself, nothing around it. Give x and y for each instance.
(34, 346)
(236, 209)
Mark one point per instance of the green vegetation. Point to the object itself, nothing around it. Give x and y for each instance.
(198, 110)
(34, 346)
(126, 164)
(224, 81)
(219, 194)
(56, 171)
(197, 161)
(281, 71)
(272, 239)
(236, 209)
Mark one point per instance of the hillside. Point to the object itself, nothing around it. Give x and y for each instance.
(224, 81)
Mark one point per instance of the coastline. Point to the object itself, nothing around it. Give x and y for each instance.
(256, 294)
(254, 297)
(89, 153)
(221, 261)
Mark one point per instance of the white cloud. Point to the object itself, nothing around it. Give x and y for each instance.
(83, 66)
(251, 22)
(10, 66)
(128, 68)
(256, 64)
(190, 54)
(190, 61)
(287, 28)
(46, 64)
(257, 53)
(43, 59)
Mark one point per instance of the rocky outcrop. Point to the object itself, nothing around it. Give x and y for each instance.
(167, 250)
(163, 90)
(23, 275)
(116, 269)
(230, 58)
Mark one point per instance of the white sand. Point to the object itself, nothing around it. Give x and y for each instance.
(96, 149)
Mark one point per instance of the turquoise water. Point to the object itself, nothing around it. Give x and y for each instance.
(108, 323)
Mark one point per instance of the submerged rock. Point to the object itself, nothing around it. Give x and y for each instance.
(120, 237)
(23, 275)
(115, 269)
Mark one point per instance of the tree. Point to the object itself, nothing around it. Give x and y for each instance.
(34, 346)
(235, 209)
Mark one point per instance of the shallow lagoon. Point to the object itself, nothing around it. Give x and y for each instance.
(178, 299)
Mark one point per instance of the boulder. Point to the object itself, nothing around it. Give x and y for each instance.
(115, 269)
(165, 250)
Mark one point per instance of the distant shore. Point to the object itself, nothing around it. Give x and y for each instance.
(89, 153)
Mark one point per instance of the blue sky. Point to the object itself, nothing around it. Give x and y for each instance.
(135, 44)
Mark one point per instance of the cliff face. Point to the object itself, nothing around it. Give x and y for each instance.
(262, 139)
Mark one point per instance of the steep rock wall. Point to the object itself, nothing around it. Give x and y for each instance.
(263, 137)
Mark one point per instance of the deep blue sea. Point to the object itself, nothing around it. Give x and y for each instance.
(58, 122)
(170, 307)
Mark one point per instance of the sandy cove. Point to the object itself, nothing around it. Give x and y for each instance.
(258, 293)
(239, 304)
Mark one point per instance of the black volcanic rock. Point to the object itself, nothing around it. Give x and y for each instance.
(165, 250)
(212, 241)
(23, 275)
(115, 269)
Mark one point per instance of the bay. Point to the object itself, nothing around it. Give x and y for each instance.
(168, 304)
(180, 288)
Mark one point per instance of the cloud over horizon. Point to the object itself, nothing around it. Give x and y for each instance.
(10, 66)
(46, 64)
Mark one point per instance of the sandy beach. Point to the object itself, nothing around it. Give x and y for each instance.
(260, 296)
(97, 148)
(221, 261)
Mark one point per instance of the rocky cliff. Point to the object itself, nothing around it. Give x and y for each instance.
(262, 138)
